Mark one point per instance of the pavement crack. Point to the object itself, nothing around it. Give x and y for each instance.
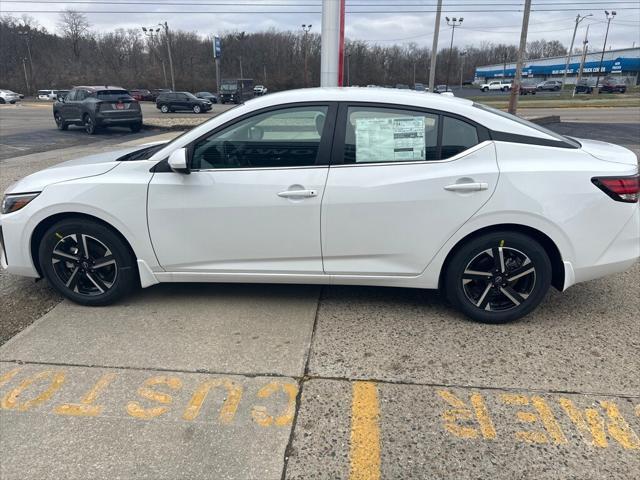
(301, 382)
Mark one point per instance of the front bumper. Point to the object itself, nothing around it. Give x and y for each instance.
(3, 256)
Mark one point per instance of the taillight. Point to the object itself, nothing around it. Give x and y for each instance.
(621, 189)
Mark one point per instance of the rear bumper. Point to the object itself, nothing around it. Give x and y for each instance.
(3, 256)
(621, 254)
(124, 120)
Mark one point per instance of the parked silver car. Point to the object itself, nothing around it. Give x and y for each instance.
(9, 96)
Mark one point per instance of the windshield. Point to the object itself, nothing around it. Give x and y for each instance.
(228, 87)
(205, 93)
(113, 95)
(535, 126)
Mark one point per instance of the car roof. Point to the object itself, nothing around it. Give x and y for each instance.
(100, 87)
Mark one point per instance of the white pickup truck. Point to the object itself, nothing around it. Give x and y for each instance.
(503, 85)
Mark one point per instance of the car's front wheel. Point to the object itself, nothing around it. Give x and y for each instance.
(87, 262)
(498, 277)
(197, 109)
(60, 123)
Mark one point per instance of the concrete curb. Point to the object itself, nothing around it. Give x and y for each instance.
(546, 120)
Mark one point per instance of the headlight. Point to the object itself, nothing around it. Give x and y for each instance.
(15, 201)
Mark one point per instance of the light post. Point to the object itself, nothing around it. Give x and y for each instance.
(241, 37)
(453, 23)
(585, 47)
(150, 32)
(604, 47)
(306, 29)
(463, 55)
(348, 69)
(579, 18)
(26, 33)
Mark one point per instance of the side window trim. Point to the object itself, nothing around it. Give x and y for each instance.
(337, 152)
(324, 149)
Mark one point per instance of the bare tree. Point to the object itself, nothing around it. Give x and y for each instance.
(74, 25)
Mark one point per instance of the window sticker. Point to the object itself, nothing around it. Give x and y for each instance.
(390, 139)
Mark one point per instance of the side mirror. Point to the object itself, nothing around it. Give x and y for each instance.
(178, 161)
(60, 98)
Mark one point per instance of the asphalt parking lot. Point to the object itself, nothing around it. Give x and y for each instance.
(317, 382)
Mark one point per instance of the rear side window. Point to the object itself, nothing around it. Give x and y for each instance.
(113, 95)
(457, 136)
(374, 135)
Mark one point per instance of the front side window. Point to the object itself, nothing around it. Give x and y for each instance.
(81, 95)
(288, 137)
(389, 135)
(72, 95)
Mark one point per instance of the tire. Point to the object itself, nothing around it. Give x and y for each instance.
(74, 275)
(485, 89)
(2, 101)
(473, 293)
(60, 123)
(164, 108)
(197, 109)
(90, 125)
(135, 127)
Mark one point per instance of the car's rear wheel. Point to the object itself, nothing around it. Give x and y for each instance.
(498, 277)
(90, 125)
(164, 108)
(197, 109)
(60, 123)
(135, 127)
(87, 262)
(2, 101)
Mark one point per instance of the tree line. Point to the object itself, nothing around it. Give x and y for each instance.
(76, 55)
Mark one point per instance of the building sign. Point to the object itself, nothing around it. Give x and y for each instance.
(217, 47)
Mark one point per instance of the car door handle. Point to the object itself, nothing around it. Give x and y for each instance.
(467, 187)
(298, 194)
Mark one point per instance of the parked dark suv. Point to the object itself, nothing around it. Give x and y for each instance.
(584, 86)
(613, 85)
(170, 102)
(94, 107)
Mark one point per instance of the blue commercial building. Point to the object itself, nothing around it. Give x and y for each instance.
(624, 62)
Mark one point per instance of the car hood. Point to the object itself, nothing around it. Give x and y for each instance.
(608, 151)
(71, 170)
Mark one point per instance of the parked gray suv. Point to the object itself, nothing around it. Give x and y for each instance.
(95, 107)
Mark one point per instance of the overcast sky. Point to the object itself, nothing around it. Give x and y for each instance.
(498, 23)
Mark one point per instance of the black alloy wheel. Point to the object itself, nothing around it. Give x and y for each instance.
(87, 262)
(498, 277)
(89, 125)
(60, 123)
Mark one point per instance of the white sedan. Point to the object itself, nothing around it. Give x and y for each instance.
(336, 186)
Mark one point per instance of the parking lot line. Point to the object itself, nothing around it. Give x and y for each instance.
(365, 432)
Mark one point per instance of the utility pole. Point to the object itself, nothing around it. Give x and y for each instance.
(306, 29)
(165, 25)
(515, 87)
(434, 48)
(330, 38)
(241, 37)
(348, 69)
(463, 55)
(579, 18)
(264, 74)
(453, 23)
(604, 47)
(26, 80)
(26, 33)
(585, 47)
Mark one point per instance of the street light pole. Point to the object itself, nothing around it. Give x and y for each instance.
(604, 47)
(453, 23)
(26, 80)
(585, 47)
(579, 18)
(306, 29)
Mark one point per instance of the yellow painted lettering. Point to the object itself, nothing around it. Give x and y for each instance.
(229, 406)
(543, 415)
(259, 413)
(618, 428)
(11, 399)
(85, 407)
(462, 413)
(590, 424)
(136, 410)
(6, 377)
